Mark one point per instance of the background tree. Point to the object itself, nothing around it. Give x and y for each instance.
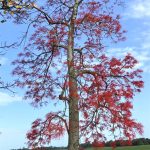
(65, 62)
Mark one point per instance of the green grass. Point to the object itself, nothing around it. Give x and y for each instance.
(142, 147)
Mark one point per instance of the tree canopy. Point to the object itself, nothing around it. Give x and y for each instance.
(65, 61)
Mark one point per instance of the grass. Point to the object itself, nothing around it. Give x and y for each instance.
(142, 147)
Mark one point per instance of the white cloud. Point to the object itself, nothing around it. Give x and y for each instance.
(138, 9)
(145, 38)
(3, 60)
(6, 98)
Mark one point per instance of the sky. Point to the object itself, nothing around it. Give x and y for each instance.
(16, 115)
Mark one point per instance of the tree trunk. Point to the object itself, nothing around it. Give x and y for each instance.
(73, 141)
(73, 137)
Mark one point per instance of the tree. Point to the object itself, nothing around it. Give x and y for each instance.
(11, 5)
(65, 62)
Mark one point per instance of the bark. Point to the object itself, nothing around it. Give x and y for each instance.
(73, 137)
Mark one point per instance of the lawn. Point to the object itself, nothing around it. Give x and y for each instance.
(142, 147)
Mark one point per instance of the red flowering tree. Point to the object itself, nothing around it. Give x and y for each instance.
(65, 63)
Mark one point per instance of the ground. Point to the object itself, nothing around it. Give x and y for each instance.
(142, 147)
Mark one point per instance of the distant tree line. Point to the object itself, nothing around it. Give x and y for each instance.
(135, 142)
(45, 148)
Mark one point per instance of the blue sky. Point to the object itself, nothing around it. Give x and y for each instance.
(16, 115)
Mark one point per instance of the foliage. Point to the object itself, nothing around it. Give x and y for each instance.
(134, 142)
(141, 141)
(15, 9)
